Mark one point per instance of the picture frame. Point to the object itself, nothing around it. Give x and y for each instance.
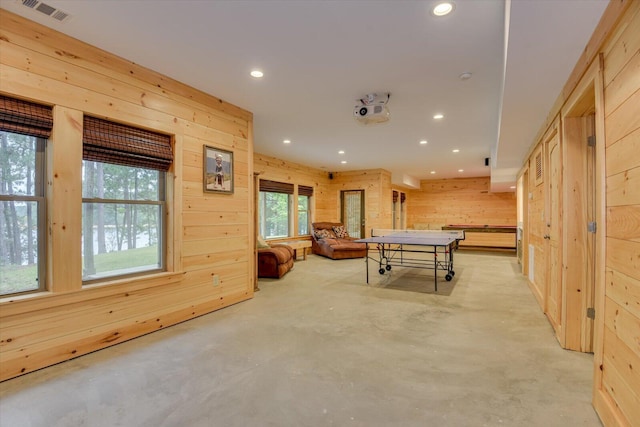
(218, 170)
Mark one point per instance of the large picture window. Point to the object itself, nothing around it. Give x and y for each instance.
(274, 210)
(24, 129)
(124, 200)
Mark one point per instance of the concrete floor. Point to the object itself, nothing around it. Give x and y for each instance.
(320, 347)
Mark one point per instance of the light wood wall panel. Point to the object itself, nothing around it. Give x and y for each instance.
(618, 381)
(376, 184)
(459, 201)
(439, 200)
(64, 197)
(614, 49)
(208, 233)
(492, 240)
(275, 169)
(326, 193)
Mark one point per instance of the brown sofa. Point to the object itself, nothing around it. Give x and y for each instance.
(275, 261)
(325, 242)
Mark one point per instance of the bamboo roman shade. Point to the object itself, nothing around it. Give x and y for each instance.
(395, 196)
(25, 117)
(109, 142)
(275, 187)
(403, 197)
(303, 190)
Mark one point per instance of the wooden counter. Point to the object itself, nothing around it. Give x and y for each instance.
(486, 236)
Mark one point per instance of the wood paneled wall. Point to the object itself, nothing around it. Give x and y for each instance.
(439, 202)
(271, 168)
(604, 87)
(618, 381)
(326, 191)
(208, 233)
(376, 184)
(459, 201)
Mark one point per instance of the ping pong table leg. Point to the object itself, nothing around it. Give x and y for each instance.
(367, 261)
(435, 267)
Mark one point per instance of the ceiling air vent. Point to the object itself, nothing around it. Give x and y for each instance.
(46, 9)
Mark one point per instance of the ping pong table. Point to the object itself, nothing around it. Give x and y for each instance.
(406, 248)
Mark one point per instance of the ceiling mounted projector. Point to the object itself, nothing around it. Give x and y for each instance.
(372, 109)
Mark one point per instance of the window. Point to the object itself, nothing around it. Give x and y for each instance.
(124, 203)
(403, 215)
(274, 210)
(122, 220)
(304, 201)
(303, 215)
(394, 209)
(22, 211)
(352, 211)
(24, 128)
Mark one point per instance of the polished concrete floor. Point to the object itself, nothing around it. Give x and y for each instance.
(320, 348)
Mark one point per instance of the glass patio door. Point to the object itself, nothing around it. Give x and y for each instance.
(352, 212)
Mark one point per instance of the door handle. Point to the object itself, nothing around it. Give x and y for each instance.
(546, 236)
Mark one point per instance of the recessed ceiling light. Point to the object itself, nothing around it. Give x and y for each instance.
(257, 74)
(456, 150)
(465, 76)
(442, 9)
(287, 141)
(343, 162)
(438, 116)
(460, 170)
(341, 152)
(432, 172)
(512, 187)
(423, 142)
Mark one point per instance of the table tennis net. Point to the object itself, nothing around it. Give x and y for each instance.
(379, 232)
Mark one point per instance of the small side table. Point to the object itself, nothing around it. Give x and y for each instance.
(296, 245)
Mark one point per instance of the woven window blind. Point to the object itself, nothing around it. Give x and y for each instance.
(276, 187)
(109, 142)
(395, 196)
(303, 190)
(403, 197)
(25, 118)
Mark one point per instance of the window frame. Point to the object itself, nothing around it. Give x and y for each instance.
(162, 238)
(308, 214)
(261, 217)
(39, 197)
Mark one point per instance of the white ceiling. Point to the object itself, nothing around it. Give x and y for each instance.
(320, 56)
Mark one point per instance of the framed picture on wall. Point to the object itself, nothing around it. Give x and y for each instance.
(218, 170)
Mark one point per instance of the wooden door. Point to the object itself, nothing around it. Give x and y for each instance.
(553, 295)
(352, 212)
